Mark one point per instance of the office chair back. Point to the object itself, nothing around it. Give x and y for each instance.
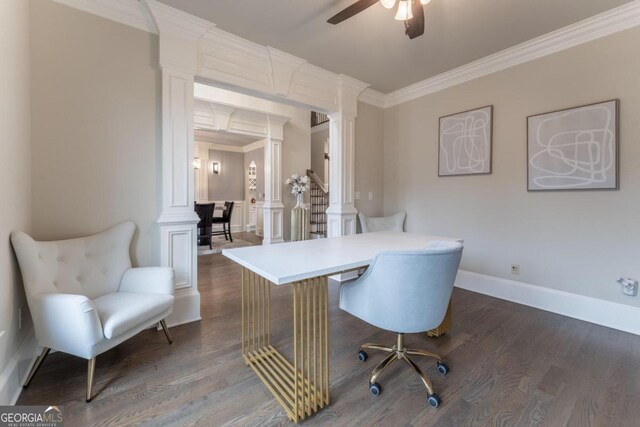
(405, 291)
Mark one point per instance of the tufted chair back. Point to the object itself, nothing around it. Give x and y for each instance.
(92, 266)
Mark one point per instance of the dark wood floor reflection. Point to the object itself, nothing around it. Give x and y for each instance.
(510, 365)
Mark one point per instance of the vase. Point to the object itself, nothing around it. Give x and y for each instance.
(299, 220)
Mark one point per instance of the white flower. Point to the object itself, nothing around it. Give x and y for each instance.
(287, 181)
(304, 179)
(294, 176)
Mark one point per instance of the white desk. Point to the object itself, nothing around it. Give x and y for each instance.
(302, 387)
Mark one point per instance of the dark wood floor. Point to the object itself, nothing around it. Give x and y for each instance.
(510, 366)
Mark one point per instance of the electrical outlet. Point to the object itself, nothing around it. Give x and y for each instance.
(370, 195)
(629, 286)
(357, 195)
(515, 269)
(19, 318)
(1, 334)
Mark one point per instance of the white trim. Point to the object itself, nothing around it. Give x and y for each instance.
(606, 313)
(15, 371)
(254, 146)
(373, 97)
(320, 127)
(132, 13)
(135, 14)
(606, 23)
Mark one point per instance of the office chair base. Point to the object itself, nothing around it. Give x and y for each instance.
(400, 352)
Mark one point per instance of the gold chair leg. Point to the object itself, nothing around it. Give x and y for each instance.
(380, 347)
(381, 367)
(415, 352)
(166, 331)
(36, 365)
(425, 379)
(91, 367)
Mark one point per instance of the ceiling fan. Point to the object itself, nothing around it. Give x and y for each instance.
(409, 11)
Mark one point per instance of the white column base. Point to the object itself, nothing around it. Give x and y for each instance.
(273, 226)
(186, 307)
(341, 223)
(178, 245)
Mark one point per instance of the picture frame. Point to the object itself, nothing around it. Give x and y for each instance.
(465, 142)
(574, 148)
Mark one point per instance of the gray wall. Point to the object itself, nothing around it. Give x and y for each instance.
(229, 183)
(369, 151)
(15, 181)
(579, 241)
(96, 127)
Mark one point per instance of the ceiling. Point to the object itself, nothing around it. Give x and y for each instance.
(224, 138)
(372, 46)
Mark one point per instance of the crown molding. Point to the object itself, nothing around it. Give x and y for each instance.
(612, 21)
(373, 97)
(233, 148)
(136, 14)
(174, 21)
(132, 13)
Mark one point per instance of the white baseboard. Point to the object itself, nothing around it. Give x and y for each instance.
(186, 308)
(15, 372)
(606, 313)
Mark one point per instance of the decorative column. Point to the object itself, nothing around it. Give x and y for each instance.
(177, 221)
(341, 214)
(273, 209)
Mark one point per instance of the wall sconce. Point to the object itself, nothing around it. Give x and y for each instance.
(196, 163)
(215, 167)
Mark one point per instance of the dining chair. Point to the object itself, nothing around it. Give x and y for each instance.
(225, 220)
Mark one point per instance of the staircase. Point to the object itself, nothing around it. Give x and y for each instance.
(319, 197)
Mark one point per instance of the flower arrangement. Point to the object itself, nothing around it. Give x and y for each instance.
(298, 184)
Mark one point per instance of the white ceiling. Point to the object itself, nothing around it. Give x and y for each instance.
(224, 138)
(372, 46)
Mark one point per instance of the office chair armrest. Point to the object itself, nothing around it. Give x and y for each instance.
(149, 280)
(67, 322)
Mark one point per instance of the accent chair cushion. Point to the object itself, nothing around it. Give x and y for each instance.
(122, 311)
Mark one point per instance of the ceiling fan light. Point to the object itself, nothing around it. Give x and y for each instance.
(423, 2)
(388, 4)
(404, 11)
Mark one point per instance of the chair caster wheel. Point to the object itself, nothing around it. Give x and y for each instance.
(362, 355)
(433, 400)
(443, 368)
(375, 389)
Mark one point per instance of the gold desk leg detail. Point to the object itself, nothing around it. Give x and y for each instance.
(301, 387)
(445, 326)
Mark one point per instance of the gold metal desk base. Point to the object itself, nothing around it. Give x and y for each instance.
(301, 387)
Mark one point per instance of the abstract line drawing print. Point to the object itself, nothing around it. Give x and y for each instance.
(574, 149)
(465, 143)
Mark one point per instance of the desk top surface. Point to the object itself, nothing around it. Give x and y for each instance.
(293, 261)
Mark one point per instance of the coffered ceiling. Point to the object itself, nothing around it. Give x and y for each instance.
(372, 46)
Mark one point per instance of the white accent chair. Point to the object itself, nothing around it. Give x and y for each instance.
(85, 298)
(404, 292)
(393, 222)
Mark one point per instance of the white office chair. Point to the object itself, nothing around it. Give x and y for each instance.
(404, 292)
(85, 298)
(393, 222)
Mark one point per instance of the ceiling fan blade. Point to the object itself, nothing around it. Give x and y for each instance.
(414, 27)
(352, 10)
